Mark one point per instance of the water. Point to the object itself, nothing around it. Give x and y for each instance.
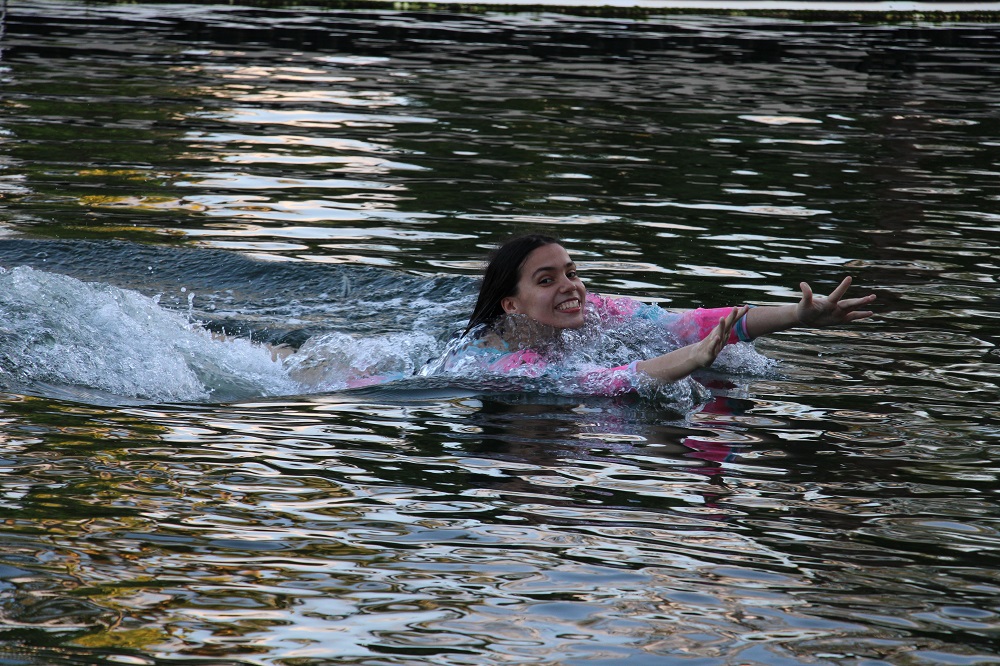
(186, 186)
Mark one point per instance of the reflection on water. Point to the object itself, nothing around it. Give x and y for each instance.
(330, 180)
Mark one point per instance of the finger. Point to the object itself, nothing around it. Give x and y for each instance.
(722, 333)
(854, 303)
(739, 313)
(721, 340)
(858, 314)
(807, 293)
(726, 325)
(726, 331)
(723, 326)
(731, 320)
(841, 289)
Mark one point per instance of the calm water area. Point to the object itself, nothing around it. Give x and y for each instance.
(183, 186)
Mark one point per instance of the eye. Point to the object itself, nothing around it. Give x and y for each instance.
(571, 275)
(545, 280)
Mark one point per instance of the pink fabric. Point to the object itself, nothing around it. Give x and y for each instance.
(529, 363)
(525, 362)
(694, 325)
(616, 310)
(688, 327)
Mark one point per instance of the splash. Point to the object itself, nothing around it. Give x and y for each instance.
(595, 359)
(58, 333)
(63, 336)
(58, 330)
(335, 361)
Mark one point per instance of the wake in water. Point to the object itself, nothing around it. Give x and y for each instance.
(59, 333)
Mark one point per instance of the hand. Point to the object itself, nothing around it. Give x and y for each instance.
(680, 363)
(706, 350)
(816, 311)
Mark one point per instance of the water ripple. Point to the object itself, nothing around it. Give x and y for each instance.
(330, 181)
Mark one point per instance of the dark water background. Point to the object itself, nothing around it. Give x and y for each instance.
(331, 180)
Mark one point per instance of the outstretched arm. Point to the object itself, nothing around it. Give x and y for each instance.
(682, 362)
(811, 311)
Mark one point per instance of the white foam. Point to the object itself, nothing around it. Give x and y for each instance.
(59, 330)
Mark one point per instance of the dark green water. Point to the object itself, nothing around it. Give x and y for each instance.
(332, 180)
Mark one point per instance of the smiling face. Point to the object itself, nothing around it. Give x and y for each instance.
(548, 289)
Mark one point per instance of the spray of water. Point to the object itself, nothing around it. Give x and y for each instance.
(57, 331)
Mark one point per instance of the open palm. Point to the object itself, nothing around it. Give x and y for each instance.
(832, 310)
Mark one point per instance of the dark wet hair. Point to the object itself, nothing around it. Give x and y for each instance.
(501, 276)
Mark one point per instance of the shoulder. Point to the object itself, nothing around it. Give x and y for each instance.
(525, 362)
(480, 346)
(621, 308)
(487, 340)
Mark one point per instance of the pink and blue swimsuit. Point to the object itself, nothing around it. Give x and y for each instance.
(685, 328)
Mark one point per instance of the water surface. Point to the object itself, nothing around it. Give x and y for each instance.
(330, 180)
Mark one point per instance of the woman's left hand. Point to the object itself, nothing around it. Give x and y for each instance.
(680, 363)
(817, 311)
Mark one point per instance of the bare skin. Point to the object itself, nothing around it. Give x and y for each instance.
(811, 311)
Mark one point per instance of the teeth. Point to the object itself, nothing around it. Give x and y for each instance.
(568, 305)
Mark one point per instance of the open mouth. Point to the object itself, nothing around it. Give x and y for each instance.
(567, 306)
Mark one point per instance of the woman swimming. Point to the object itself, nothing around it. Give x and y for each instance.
(531, 293)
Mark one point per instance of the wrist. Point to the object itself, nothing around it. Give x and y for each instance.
(795, 316)
(770, 319)
(742, 326)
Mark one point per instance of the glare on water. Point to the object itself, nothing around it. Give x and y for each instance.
(215, 216)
